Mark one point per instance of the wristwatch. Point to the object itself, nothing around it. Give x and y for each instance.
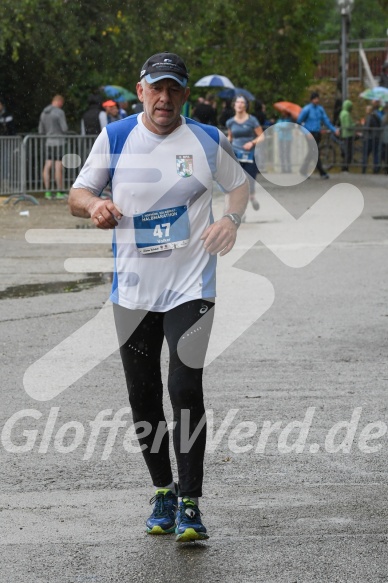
(235, 218)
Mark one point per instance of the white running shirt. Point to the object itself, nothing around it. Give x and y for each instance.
(156, 177)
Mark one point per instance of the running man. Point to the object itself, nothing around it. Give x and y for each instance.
(165, 242)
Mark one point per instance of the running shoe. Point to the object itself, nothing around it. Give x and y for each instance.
(48, 195)
(60, 196)
(189, 525)
(255, 203)
(162, 519)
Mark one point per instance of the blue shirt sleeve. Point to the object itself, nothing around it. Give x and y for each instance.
(326, 121)
(303, 115)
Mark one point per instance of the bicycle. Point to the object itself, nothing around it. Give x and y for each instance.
(331, 147)
(328, 149)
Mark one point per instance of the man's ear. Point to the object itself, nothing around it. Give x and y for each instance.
(187, 93)
(139, 91)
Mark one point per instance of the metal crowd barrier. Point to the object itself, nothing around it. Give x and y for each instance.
(72, 151)
(366, 149)
(24, 160)
(10, 165)
(285, 150)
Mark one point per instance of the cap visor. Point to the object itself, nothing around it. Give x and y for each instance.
(154, 77)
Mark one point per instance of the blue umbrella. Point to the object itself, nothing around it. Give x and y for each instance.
(214, 81)
(119, 93)
(377, 93)
(232, 93)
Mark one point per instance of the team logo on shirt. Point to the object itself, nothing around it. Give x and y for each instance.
(184, 165)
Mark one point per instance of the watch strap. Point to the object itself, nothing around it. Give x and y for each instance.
(235, 218)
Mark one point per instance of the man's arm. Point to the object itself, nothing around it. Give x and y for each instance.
(84, 200)
(327, 122)
(62, 121)
(302, 116)
(220, 237)
(41, 128)
(104, 213)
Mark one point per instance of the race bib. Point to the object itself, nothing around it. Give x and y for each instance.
(163, 229)
(244, 155)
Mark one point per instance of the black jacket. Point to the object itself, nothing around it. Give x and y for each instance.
(7, 127)
(91, 120)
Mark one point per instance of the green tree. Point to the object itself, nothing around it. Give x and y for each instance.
(369, 19)
(267, 48)
(69, 47)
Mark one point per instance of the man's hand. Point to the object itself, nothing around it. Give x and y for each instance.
(104, 213)
(220, 237)
(337, 132)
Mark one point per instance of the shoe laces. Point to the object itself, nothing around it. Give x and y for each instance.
(190, 512)
(160, 507)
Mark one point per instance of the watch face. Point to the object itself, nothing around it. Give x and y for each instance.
(235, 218)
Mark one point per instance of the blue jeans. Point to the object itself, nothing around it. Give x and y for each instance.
(371, 145)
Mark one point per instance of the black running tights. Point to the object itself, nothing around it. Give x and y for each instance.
(187, 329)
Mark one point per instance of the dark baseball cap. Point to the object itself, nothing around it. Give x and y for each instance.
(165, 66)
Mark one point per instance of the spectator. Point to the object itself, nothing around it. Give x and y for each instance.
(123, 109)
(227, 112)
(284, 129)
(111, 113)
(206, 112)
(336, 111)
(372, 134)
(384, 141)
(93, 118)
(259, 111)
(312, 117)
(53, 124)
(7, 127)
(347, 133)
(384, 76)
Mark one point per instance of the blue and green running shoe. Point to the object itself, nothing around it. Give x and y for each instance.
(162, 519)
(189, 525)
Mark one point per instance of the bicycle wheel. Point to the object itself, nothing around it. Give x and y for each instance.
(327, 155)
(357, 154)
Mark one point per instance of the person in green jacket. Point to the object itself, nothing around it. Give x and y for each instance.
(347, 133)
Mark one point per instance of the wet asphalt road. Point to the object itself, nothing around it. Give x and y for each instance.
(73, 512)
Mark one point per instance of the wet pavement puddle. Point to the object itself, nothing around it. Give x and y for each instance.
(56, 287)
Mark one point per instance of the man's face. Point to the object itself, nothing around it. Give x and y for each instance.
(315, 100)
(162, 103)
(112, 110)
